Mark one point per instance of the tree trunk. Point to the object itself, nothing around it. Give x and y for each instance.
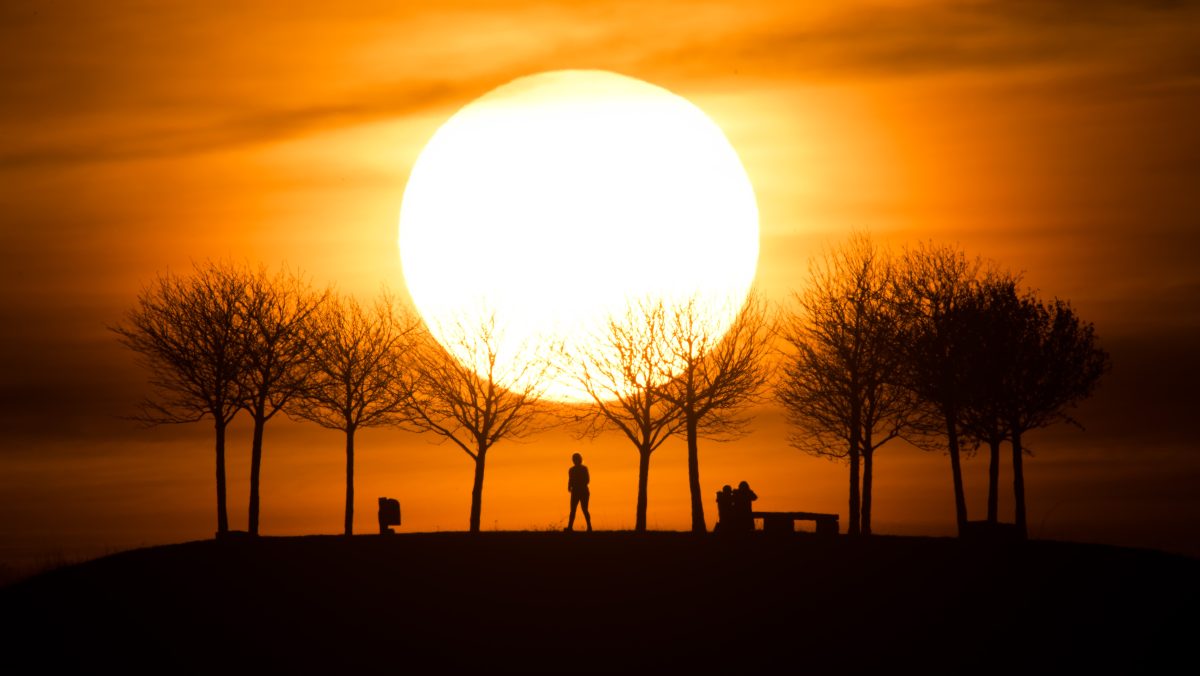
(855, 499)
(855, 441)
(993, 478)
(222, 513)
(698, 525)
(960, 497)
(349, 526)
(255, 466)
(643, 478)
(868, 455)
(1019, 483)
(477, 490)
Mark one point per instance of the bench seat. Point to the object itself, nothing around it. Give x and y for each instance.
(785, 522)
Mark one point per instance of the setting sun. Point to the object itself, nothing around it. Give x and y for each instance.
(552, 202)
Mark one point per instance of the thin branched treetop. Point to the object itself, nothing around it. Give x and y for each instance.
(474, 396)
(846, 365)
(190, 333)
(360, 364)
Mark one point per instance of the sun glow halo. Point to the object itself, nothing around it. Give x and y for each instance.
(554, 201)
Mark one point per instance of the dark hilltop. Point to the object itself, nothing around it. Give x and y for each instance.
(607, 601)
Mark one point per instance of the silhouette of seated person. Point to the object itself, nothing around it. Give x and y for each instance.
(734, 509)
(389, 514)
(743, 517)
(725, 509)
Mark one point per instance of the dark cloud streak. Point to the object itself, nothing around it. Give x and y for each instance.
(1114, 45)
(258, 127)
(1154, 39)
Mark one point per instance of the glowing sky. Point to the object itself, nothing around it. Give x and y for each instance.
(1058, 138)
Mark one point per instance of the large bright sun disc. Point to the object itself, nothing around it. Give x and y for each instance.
(554, 201)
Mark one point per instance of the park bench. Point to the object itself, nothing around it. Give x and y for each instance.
(735, 516)
(785, 522)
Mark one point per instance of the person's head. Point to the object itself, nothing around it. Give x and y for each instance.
(576, 458)
(743, 486)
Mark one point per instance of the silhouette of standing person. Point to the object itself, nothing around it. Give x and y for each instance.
(577, 484)
(742, 509)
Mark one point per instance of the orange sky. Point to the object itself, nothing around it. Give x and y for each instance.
(1057, 138)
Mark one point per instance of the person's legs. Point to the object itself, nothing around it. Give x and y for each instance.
(586, 515)
(574, 505)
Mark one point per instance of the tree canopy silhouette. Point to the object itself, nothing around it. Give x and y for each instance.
(191, 334)
(933, 284)
(474, 408)
(276, 311)
(358, 373)
(996, 315)
(715, 377)
(843, 380)
(1056, 364)
(624, 371)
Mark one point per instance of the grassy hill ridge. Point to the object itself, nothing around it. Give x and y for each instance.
(607, 601)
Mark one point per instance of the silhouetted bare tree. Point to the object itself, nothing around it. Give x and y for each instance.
(1031, 362)
(276, 310)
(843, 380)
(624, 373)
(1059, 364)
(190, 333)
(478, 403)
(995, 314)
(358, 374)
(714, 378)
(933, 284)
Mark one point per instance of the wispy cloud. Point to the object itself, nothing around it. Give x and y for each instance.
(84, 85)
(875, 40)
(254, 127)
